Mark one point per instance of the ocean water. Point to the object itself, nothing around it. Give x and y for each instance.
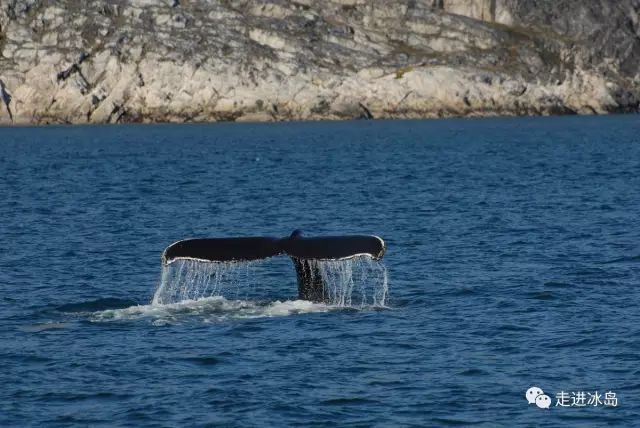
(513, 260)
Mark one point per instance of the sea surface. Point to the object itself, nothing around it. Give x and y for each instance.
(513, 261)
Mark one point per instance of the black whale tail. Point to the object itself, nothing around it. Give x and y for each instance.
(299, 248)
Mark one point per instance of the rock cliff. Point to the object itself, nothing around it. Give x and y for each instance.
(99, 61)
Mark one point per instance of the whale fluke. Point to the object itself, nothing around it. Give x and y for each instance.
(299, 248)
(222, 249)
(335, 247)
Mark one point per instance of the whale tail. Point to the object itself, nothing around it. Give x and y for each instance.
(299, 248)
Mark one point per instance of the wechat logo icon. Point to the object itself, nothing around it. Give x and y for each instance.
(535, 395)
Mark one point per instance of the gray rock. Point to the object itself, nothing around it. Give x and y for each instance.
(105, 61)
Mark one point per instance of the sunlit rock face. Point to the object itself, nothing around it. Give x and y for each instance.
(73, 61)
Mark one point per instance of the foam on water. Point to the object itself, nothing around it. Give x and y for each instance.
(215, 308)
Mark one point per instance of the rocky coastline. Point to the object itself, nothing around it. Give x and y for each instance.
(121, 61)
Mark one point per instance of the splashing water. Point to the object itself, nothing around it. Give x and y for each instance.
(194, 279)
(359, 281)
(209, 309)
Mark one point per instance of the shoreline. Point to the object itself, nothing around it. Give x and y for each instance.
(320, 121)
(427, 92)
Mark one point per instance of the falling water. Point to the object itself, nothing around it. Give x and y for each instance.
(359, 281)
(194, 279)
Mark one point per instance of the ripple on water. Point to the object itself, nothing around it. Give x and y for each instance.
(96, 305)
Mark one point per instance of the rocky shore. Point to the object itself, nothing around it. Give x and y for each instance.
(108, 61)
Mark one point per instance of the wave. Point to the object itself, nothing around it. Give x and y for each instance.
(629, 259)
(40, 327)
(96, 305)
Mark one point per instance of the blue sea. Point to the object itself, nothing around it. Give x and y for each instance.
(513, 261)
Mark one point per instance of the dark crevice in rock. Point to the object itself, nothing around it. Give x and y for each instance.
(6, 98)
(116, 114)
(73, 69)
(366, 113)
